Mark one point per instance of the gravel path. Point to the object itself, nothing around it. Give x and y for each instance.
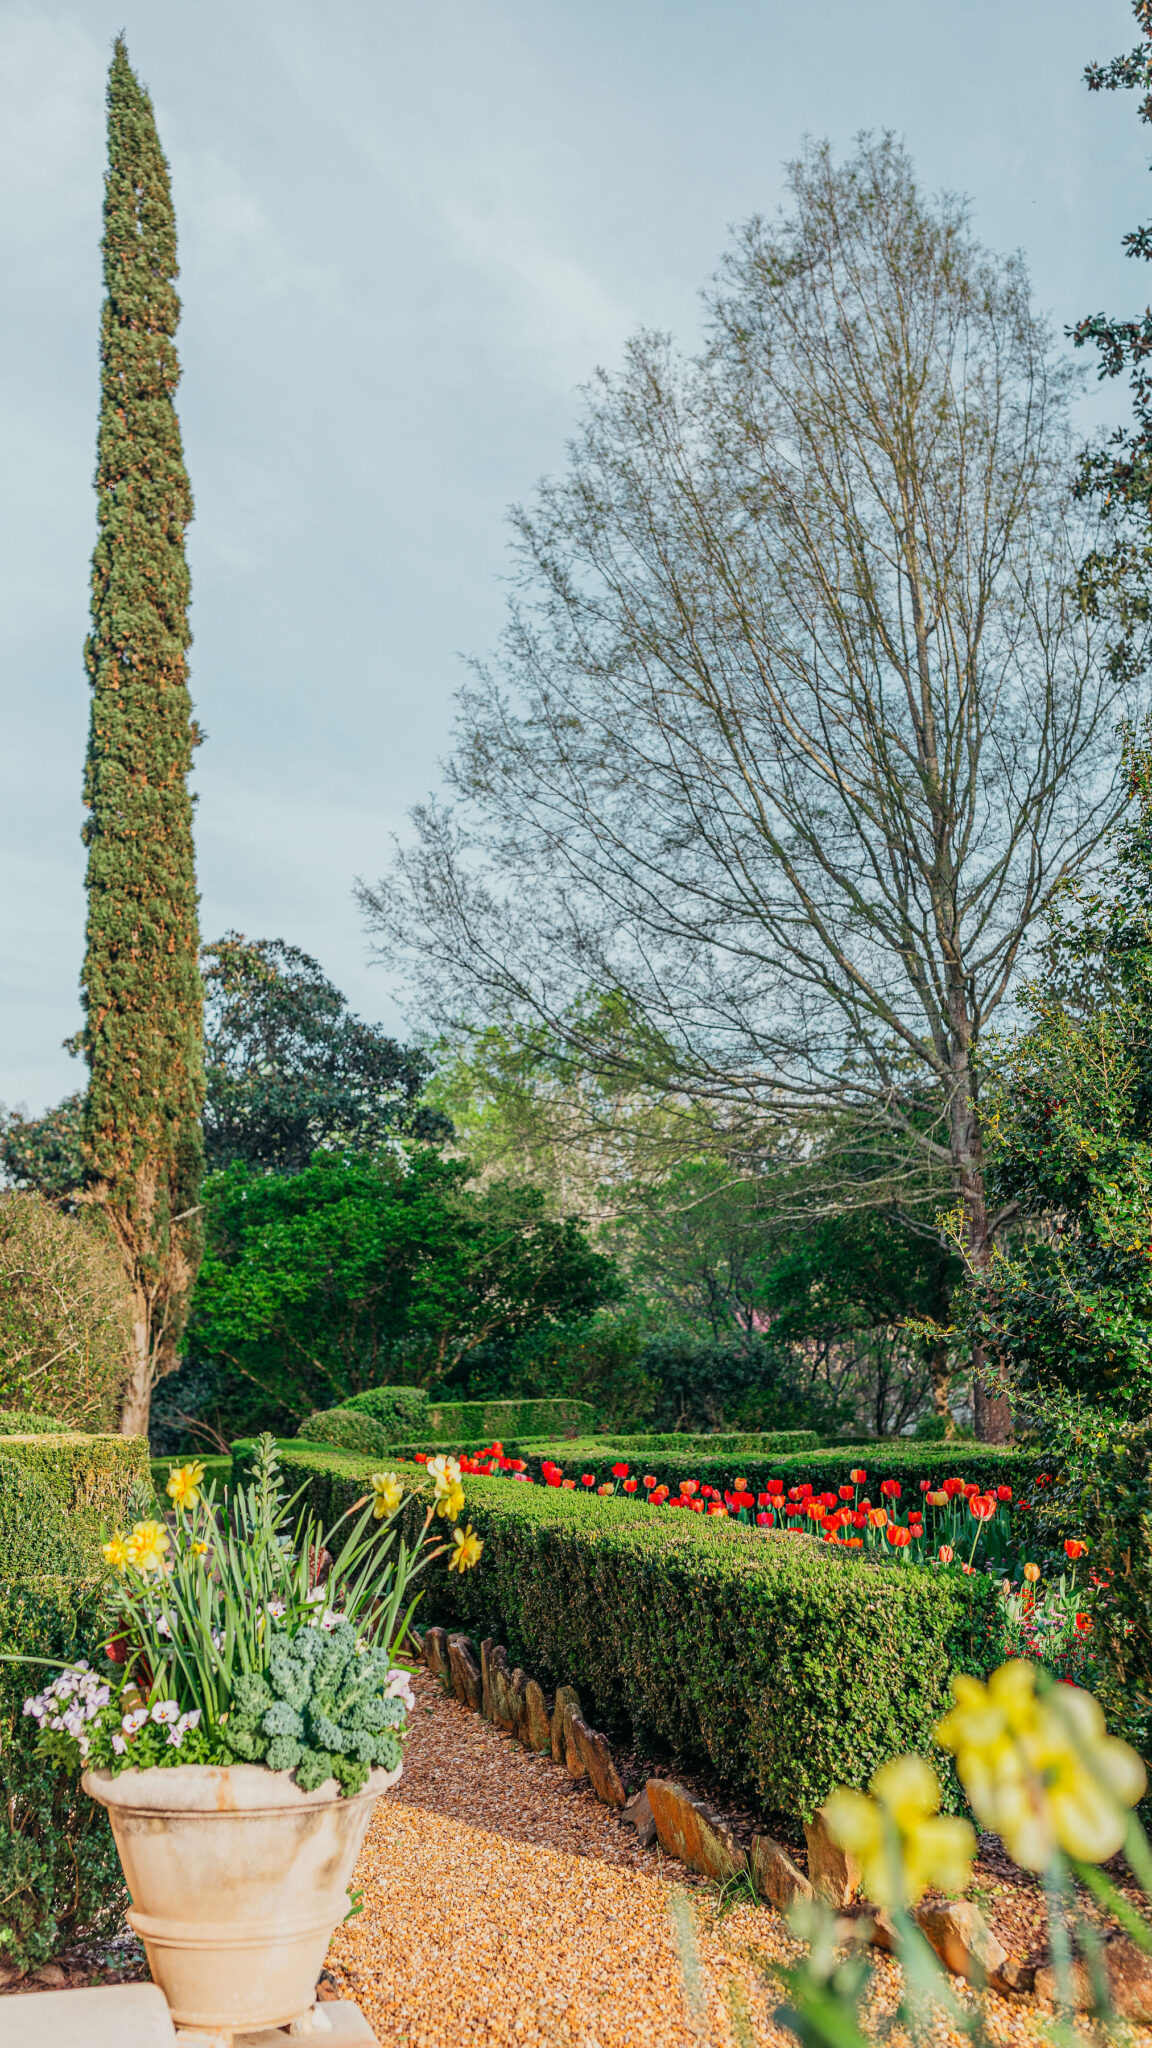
(503, 1904)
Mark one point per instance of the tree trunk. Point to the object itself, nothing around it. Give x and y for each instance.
(992, 1412)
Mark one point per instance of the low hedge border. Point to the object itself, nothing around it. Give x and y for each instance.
(60, 1494)
(59, 1872)
(780, 1662)
(987, 1466)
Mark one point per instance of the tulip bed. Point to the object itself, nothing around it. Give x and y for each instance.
(786, 1664)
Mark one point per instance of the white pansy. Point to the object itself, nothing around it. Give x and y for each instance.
(134, 1720)
(165, 1712)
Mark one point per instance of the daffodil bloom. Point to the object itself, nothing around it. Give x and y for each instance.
(116, 1552)
(184, 1485)
(450, 1502)
(445, 1472)
(1040, 1769)
(900, 1839)
(146, 1546)
(387, 1493)
(199, 1548)
(467, 1551)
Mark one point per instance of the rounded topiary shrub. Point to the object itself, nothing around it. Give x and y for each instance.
(65, 1315)
(352, 1431)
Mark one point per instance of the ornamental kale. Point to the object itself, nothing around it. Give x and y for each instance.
(326, 1708)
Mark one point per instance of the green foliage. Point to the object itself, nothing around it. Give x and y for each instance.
(319, 1710)
(59, 1871)
(29, 1422)
(344, 1426)
(987, 1465)
(141, 981)
(65, 1313)
(315, 1283)
(45, 1152)
(1069, 1304)
(60, 1494)
(784, 1665)
(1117, 577)
(289, 1070)
(394, 1407)
(723, 1444)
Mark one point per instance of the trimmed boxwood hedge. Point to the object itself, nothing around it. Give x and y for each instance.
(59, 1494)
(714, 1444)
(826, 1466)
(59, 1872)
(782, 1663)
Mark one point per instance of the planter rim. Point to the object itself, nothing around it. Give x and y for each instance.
(222, 1788)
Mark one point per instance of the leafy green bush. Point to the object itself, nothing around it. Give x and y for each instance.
(65, 1314)
(345, 1427)
(59, 1872)
(784, 1664)
(364, 1424)
(400, 1409)
(60, 1493)
(29, 1422)
(985, 1464)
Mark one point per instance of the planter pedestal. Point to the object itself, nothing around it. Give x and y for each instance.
(238, 1880)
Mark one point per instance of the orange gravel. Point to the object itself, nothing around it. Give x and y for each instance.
(503, 1904)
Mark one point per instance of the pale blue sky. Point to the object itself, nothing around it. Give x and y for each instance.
(407, 234)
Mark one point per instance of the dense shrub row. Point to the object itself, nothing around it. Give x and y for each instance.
(782, 1663)
(59, 1493)
(385, 1416)
(984, 1464)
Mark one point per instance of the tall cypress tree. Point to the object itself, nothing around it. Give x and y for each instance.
(141, 982)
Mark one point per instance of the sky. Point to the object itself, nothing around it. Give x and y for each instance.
(408, 235)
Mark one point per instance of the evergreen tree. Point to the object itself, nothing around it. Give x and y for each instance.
(141, 984)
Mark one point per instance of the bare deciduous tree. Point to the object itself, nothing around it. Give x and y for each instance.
(797, 724)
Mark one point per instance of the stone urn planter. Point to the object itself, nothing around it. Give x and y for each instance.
(238, 1880)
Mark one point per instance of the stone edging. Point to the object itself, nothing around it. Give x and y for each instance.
(690, 1830)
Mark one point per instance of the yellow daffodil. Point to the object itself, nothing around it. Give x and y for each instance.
(199, 1548)
(1040, 1769)
(467, 1551)
(900, 1839)
(116, 1552)
(444, 1473)
(184, 1485)
(450, 1503)
(387, 1494)
(146, 1546)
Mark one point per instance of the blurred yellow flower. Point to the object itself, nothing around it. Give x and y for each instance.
(116, 1552)
(445, 1472)
(900, 1839)
(387, 1494)
(450, 1503)
(467, 1551)
(146, 1546)
(184, 1484)
(1040, 1769)
(199, 1548)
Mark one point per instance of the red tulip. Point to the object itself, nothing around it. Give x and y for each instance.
(762, 1521)
(847, 1493)
(629, 1486)
(1083, 1624)
(689, 1486)
(858, 1475)
(952, 1487)
(776, 1486)
(1003, 1493)
(1073, 1548)
(982, 1505)
(890, 1488)
(898, 1537)
(587, 1479)
(649, 1480)
(619, 1471)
